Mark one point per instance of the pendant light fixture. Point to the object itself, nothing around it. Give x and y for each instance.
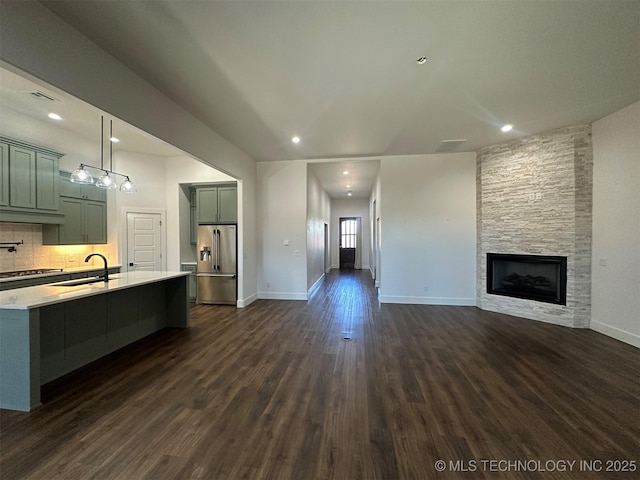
(81, 175)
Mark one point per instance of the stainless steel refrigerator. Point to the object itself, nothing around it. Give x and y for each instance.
(217, 265)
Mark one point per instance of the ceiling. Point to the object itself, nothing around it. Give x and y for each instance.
(343, 75)
(24, 108)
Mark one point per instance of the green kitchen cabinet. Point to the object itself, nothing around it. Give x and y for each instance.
(46, 181)
(207, 204)
(193, 280)
(217, 204)
(29, 183)
(4, 174)
(85, 223)
(22, 177)
(227, 204)
(80, 190)
(85, 212)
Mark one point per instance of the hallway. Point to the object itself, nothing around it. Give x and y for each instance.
(337, 387)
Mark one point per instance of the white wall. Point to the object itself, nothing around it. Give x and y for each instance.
(429, 234)
(148, 173)
(615, 286)
(350, 207)
(38, 42)
(318, 213)
(282, 216)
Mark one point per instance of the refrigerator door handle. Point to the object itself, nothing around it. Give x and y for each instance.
(218, 241)
(214, 257)
(225, 275)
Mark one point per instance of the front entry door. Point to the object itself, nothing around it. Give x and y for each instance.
(348, 237)
(144, 242)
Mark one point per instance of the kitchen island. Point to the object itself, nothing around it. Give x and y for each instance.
(47, 331)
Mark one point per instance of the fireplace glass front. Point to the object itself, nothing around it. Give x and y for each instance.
(534, 277)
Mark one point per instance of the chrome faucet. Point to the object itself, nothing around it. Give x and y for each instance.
(106, 268)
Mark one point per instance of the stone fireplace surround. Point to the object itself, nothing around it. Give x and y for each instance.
(534, 197)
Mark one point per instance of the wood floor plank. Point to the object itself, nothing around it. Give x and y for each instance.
(338, 387)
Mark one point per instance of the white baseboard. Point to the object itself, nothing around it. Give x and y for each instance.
(618, 334)
(465, 302)
(247, 301)
(315, 286)
(282, 296)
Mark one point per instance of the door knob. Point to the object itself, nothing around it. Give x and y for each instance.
(131, 264)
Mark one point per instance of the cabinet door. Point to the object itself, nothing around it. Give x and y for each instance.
(22, 177)
(91, 192)
(46, 181)
(207, 205)
(4, 174)
(85, 330)
(68, 189)
(95, 222)
(71, 232)
(193, 283)
(227, 204)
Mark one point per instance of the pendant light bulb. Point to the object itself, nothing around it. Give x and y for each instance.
(128, 186)
(81, 175)
(105, 181)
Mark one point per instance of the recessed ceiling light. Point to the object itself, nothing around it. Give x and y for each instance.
(346, 172)
(506, 128)
(54, 116)
(114, 139)
(348, 186)
(349, 194)
(295, 139)
(422, 60)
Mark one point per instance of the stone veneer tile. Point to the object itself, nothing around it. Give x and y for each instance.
(558, 165)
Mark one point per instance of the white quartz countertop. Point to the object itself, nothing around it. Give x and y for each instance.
(49, 294)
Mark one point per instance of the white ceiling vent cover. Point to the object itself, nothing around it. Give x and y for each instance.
(40, 95)
(448, 146)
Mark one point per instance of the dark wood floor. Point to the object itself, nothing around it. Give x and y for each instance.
(274, 391)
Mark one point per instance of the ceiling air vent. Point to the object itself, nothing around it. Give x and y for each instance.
(45, 97)
(448, 146)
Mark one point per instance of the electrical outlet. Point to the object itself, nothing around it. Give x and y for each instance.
(268, 284)
(426, 288)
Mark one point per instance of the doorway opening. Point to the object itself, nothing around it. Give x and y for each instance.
(350, 243)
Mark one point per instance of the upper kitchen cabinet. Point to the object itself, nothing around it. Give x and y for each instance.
(29, 183)
(85, 211)
(217, 204)
(80, 190)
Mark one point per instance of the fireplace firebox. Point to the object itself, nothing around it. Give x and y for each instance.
(534, 277)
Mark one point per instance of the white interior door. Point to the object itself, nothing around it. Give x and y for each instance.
(144, 241)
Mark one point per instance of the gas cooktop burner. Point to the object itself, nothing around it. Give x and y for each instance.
(35, 271)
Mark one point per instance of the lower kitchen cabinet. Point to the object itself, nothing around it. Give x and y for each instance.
(193, 280)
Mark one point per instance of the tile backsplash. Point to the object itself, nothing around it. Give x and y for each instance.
(33, 254)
